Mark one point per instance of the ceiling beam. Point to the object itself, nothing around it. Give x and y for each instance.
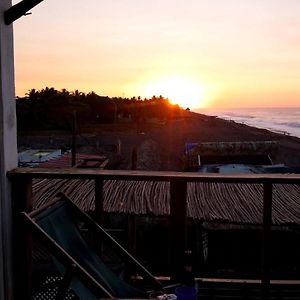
(18, 10)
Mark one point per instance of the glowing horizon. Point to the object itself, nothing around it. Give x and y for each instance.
(217, 53)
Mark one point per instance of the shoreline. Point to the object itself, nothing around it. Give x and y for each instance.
(284, 120)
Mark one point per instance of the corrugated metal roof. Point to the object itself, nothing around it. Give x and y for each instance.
(65, 160)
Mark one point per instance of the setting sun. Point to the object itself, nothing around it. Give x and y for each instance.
(181, 91)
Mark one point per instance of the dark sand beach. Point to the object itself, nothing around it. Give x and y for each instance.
(161, 146)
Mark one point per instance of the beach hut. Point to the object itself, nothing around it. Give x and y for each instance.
(253, 153)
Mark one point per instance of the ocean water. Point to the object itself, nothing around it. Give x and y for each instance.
(280, 120)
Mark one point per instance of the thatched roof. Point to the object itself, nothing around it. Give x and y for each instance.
(233, 148)
(210, 202)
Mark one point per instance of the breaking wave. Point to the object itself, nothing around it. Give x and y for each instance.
(279, 120)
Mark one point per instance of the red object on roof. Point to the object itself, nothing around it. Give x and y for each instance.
(82, 160)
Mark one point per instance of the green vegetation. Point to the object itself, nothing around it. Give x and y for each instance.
(50, 109)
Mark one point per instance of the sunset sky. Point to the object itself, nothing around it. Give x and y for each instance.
(213, 53)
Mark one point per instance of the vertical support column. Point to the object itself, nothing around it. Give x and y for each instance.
(74, 135)
(99, 209)
(131, 242)
(133, 159)
(8, 151)
(22, 201)
(178, 191)
(22, 194)
(131, 236)
(266, 241)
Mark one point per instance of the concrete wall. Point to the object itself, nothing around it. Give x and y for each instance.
(8, 150)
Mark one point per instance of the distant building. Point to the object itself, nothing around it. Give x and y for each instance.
(230, 157)
(55, 159)
(83, 160)
(228, 244)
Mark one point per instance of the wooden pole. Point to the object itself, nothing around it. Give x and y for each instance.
(74, 133)
(99, 210)
(134, 159)
(266, 241)
(22, 201)
(18, 10)
(178, 191)
(131, 238)
(8, 152)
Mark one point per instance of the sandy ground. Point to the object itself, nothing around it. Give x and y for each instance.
(161, 147)
(171, 138)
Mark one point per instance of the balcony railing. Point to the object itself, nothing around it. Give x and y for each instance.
(22, 201)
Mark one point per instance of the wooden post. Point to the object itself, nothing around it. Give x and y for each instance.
(99, 209)
(131, 233)
(266, 241)
(98, 212)
(22, 201)
(8, 152)
(22, 194)
(178, 191)
(134, 159)
(18, 10)
(131, 243)
(74, 134)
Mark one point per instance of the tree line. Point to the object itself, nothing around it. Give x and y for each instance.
(52, 109)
